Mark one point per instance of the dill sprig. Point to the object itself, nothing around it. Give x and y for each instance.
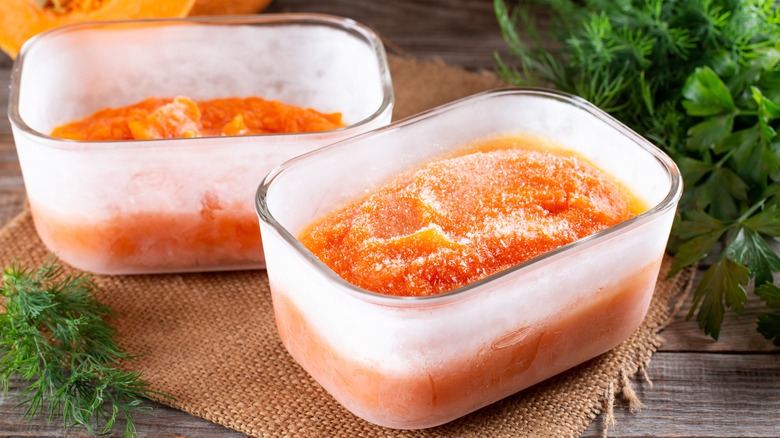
(701, 79)
(54, 337)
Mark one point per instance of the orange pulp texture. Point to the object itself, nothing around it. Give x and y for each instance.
(454, 221)
(216, 234)
(181, 117)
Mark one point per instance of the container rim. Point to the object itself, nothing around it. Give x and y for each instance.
(347, 25)
(652, 213)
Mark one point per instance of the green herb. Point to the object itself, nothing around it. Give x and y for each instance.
(700, 78)
(54, 337)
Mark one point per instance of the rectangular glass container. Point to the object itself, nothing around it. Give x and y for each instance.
(418, 362)
(175, 205)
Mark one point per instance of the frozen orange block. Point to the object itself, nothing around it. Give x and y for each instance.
(457, 220)
(216, 234)
(434, 389)
(430, 268)
(181, 117)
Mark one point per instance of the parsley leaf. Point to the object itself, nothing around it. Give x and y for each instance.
(770, 293)
(769, 323)
(705, 94)
(769, 326)
(701, 233)
(765, 222)
(750, 249)
(701, 79)
(710, 132)
(724, 281)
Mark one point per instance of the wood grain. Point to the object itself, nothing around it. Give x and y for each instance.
(738, 332)
(459, 32)
(5, 81)
(162, 421)
(682, 402)
(704, 394)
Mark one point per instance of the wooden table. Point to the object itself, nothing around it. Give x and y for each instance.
(700, 387)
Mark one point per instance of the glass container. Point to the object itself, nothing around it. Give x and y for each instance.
(418, 362)
(186, 204)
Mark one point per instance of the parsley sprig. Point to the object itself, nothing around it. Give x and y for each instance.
(701, 79)
(54, 337)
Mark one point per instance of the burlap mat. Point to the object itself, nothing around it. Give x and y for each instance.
(210, 341)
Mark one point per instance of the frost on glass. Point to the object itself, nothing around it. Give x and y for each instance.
(417, 362)
(113, 188)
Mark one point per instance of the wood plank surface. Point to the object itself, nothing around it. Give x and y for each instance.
(704, 394)
(729, 388)
(459, 32)
(738, 332)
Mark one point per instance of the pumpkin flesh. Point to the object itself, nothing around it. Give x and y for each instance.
(22, 19)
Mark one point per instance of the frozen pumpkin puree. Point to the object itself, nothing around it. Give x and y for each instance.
(443, 390)
(447, 224)
(219, 232)
(460, 219)
(181, 117)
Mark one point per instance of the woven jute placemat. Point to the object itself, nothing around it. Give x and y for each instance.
(210, 340)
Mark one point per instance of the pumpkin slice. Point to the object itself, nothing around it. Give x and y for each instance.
(22, 19)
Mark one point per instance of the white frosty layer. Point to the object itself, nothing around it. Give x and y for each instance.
(402, 339)
(323, 66)
(407, 340)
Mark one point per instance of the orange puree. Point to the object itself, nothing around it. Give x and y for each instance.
(181, 117)
(221, 236)
(459, 219)
(152, 238)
